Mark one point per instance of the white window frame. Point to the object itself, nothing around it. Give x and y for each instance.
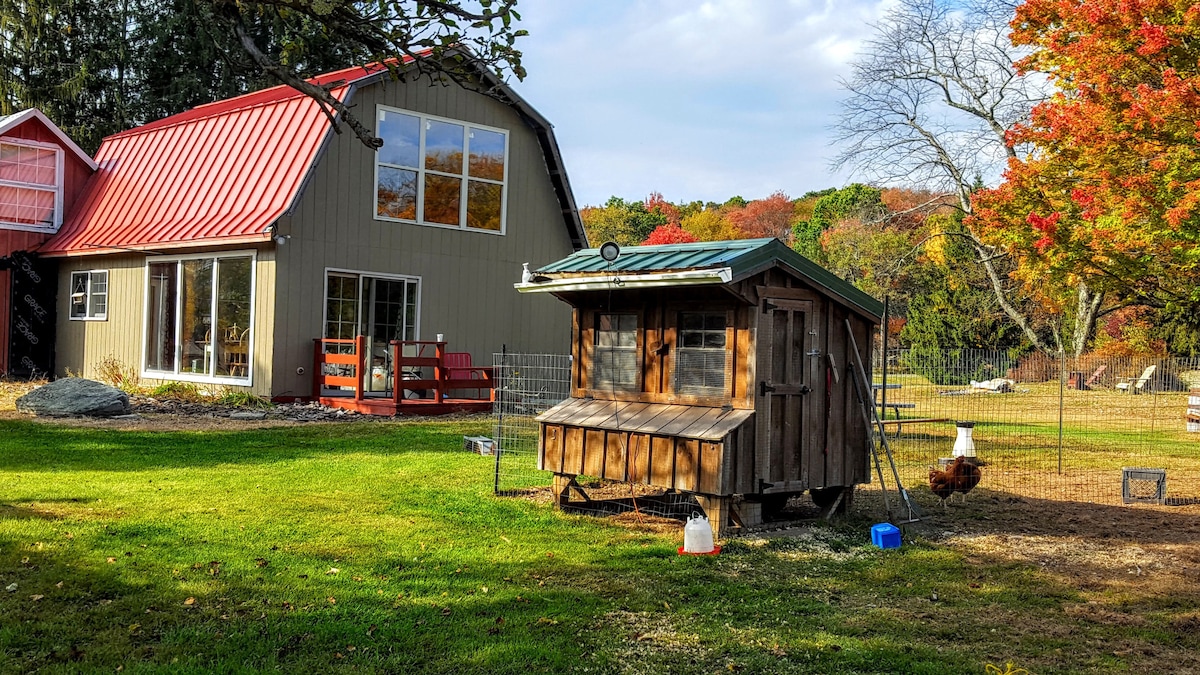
(359, 274)
(59, 168)
(87, 296)
(178, 375)
(422, 171)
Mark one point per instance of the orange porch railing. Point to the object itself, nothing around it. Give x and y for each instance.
(344, 364)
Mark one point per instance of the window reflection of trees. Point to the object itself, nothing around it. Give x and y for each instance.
(454, 154)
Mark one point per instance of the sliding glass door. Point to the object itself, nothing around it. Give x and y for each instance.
(383, 308)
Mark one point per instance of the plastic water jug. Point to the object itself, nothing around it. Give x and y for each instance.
(697, 535)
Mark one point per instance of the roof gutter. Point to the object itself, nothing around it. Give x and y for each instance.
(721, 275)
(87, 249)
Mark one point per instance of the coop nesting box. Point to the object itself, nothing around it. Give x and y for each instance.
(719, 369)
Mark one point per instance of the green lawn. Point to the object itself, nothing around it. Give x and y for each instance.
(379, 547)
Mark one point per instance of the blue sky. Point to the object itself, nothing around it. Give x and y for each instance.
(694, 99)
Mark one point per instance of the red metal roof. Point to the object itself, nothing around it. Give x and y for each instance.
(219, 173)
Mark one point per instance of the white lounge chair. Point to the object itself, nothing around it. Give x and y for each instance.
(1134, 385)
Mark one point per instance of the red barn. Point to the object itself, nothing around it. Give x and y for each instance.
(41, 173)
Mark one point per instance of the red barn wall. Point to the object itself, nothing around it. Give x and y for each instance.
(76, 173)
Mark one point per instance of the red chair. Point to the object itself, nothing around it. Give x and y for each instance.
(459, 367)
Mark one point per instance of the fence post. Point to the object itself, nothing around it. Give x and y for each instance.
(1062, 386)
(360, 358)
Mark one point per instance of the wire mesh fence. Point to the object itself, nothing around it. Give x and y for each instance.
(1046, 428)
(1050, 428)
(526, 386)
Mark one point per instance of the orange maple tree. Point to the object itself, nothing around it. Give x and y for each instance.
(1110, 195)
(770, 217)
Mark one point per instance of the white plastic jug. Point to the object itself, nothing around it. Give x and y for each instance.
(697, 535)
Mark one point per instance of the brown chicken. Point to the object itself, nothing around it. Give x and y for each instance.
(959, 476)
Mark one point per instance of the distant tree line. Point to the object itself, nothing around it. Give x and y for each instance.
(910, 246)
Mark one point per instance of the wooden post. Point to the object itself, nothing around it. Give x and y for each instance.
(397, 392)
(561, 489)
(439, 371)
(717, 510)
(318, 373)
(360, 353)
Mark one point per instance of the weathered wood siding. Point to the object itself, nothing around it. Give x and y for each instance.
(790, 356)
(83, 345)
(658, 312)
(466, 287)
(671, 462)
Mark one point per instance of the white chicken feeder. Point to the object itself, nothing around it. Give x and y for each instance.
(964, 444)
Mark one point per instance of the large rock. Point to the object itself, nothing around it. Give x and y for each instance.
(75, 396)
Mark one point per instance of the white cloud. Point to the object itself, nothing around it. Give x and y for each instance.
(694, 100)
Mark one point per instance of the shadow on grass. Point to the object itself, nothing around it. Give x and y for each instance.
(439, 615)
(29, 446)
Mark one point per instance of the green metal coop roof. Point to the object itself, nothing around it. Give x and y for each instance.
(708, 262)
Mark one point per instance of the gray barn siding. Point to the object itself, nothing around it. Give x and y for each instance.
(466, 277)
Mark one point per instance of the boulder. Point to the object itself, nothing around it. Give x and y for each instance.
(75, 396)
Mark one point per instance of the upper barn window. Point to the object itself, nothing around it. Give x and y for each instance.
(30, 185)
(441, 172)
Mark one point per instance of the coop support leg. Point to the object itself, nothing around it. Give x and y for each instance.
(717, 510)
(561, 489)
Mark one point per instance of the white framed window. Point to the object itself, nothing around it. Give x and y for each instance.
(200, 317)
(700, 356)
(615, 352)
(31, 191)
(89, 295)
(440, 172)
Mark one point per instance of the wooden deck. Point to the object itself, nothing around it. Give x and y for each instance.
(417, 380)
(419, 406)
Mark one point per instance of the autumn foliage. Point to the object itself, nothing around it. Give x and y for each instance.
(1110, 194)
(669, 234)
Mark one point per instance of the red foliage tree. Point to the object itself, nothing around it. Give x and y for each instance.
(670, 233)
(656, 204)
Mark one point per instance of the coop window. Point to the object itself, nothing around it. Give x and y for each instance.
(700, 356)
(614, 359)
(89, 295)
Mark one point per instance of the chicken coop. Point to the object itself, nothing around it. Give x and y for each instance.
(719, 369)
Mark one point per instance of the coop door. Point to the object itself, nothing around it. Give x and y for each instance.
(785, 391)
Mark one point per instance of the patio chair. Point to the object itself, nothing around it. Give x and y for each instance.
(1091, 381)
(459, 367)
(1134, 385)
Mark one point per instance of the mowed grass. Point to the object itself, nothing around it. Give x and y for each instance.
(380, 548)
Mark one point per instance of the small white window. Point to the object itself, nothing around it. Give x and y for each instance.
(89, 295)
